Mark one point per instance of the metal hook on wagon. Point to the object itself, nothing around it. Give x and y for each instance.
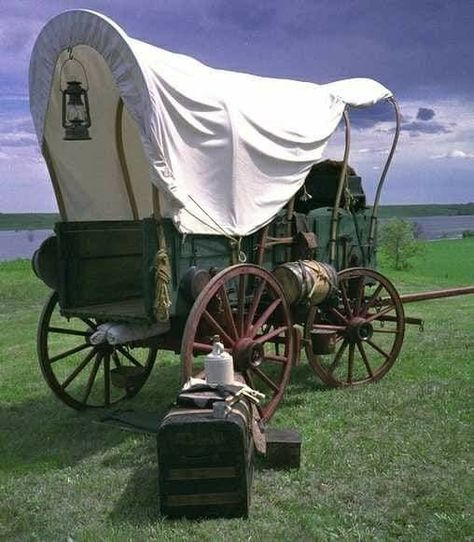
(242, 256)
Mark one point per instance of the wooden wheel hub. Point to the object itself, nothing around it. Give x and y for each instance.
(358, 329)
(247, 353)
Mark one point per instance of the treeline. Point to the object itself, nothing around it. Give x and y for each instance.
(445, 209)
(45, 221)
(28, 221)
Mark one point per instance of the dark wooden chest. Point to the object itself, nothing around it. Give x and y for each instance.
(205, 463)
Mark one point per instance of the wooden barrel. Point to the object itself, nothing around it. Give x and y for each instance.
(306, 280)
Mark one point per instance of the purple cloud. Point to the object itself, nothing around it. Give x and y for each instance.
(424, 113)
(422, 127)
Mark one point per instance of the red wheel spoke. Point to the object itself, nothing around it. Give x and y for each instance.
(89, 322)
(249, 380)
(271, 334)
(107, 397)
(360, 347)
(218, 328)
(338, 315)
(229, 317)
(377, 347)
(241, 306)
(338, 357)
(202, 347)
(345, 300)
(92, 376)
(116, 360)
(255, 302)
(371, 300)
(129, 356)
(78, 369)
(69, 352)
(276, 358)
(372, 317)
(350, 365)
(69, 331)
(329, 327)
(360, 294)
(383, 330)
(264, 378)
(264, 317)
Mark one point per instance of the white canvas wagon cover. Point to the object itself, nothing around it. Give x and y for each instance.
(226, 150)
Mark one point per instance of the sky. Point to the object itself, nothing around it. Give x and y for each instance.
(422, 50)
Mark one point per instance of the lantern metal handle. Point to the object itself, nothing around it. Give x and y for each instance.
(72, 59)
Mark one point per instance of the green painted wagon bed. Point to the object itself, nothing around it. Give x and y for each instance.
(196, 202)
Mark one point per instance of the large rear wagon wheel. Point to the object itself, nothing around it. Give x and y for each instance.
(369, 325)
(83, 375)
(246, 307)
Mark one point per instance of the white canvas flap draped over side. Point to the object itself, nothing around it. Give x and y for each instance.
(226, 150)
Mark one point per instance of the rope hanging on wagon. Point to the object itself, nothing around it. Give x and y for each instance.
(162, 302)
(239, 255)
(217, 228)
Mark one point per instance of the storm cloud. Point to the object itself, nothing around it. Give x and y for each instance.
(424, 113)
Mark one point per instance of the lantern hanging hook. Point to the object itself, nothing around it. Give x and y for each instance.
(71, 58)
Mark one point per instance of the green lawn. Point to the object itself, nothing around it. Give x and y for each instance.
(386, 462)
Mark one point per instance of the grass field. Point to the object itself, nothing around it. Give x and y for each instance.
(40, 221)
(391, 461)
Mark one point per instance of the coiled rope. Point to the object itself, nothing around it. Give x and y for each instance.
(162, 302)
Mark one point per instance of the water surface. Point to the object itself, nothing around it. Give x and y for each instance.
(22, 243)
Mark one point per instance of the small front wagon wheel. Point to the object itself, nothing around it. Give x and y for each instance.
(246, 307)
(83, 375)
(368, 324)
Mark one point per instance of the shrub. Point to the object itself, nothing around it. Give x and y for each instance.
(398, 243)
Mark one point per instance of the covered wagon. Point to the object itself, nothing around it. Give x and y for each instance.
(194, 202)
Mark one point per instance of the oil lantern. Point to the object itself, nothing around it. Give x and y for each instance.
(76, 114)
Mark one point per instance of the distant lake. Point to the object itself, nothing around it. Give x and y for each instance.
(22, 243)
(441, 227)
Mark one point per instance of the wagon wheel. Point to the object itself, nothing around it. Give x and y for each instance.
(81, 374)
(368, 322)
(246, 307)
